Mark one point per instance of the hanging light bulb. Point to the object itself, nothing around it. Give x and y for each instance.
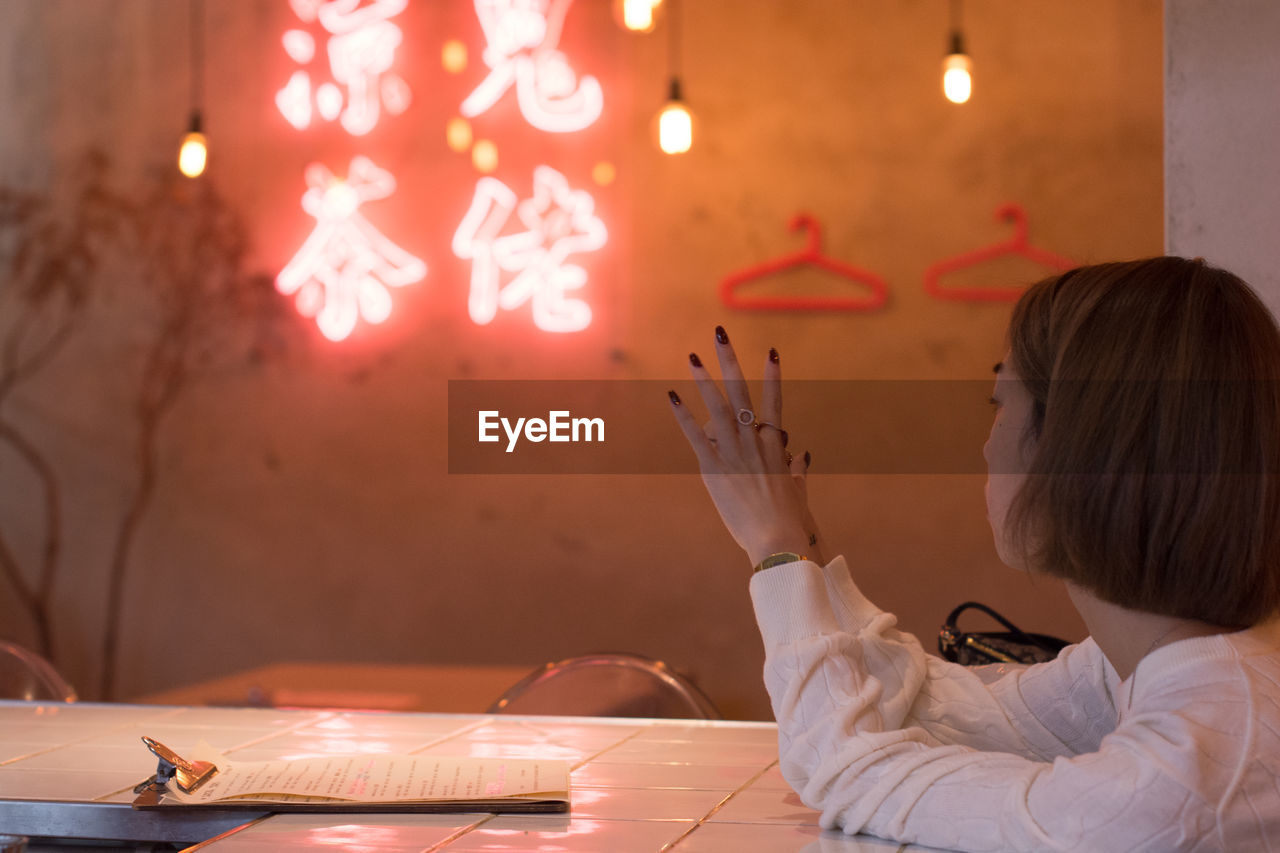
(957, 77)
(636, 15)
(675, 123)
(193, 156)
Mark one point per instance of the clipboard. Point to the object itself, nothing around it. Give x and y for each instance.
(189, 777)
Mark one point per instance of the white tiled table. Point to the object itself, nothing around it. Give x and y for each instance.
(638, 785)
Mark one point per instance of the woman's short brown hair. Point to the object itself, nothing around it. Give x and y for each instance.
(1156, 426)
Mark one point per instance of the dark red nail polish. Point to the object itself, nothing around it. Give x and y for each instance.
(773, 355)
(807, 459)
(785, 438)
(694, 360)
(675, 398)
(721, 335)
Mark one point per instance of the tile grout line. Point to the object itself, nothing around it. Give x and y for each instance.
(319, 715)
(451, 735)
(440, 845)
(747, 784)
(552, 736)
(200, 845)
(76, 742)
(596, 755)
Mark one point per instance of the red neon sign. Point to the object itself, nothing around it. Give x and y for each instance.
(522, 53)
(361, 50)
(344, 269)
(558, 222)
(520, 250)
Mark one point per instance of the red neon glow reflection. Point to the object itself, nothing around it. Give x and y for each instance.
(344, 269)
(361, 50)
(546, 838)
(354, 837)
(558, 222)
(522, 36)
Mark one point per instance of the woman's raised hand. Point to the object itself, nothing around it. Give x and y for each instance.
(757, 485)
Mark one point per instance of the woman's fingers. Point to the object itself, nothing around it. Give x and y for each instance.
(723, 423)
(702, 444)
(773, 439)
(742, 434)
(735, 384)
(771, 396)
(756, 455)
(798, 466)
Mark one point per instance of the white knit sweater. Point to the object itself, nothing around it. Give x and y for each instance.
(890, 741)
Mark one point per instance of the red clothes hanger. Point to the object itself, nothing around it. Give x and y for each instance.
(810, 254)
(1009, 212)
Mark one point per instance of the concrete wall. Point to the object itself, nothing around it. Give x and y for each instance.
(1222, 120)
(304, 503)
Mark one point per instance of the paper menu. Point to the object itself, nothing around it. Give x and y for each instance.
(380, 779)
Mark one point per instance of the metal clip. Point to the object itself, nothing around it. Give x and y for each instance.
(189, 775)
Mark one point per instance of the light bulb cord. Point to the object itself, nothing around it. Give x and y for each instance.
(675, 46)
(196, 27)
(956, 44)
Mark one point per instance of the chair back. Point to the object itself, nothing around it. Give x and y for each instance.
(27, 676)
(607, 685)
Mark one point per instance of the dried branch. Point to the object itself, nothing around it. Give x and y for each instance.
(55, 250)
(192, 248)
(12, 573)
(37, 601)
(187, 247)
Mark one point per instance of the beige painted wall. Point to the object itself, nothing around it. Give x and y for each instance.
(1222, 119)
(304, 503)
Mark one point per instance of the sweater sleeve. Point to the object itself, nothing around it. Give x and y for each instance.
(867, 736)
(1059, 708)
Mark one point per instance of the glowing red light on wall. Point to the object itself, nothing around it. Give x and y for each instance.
(344, 269)
(558, 222)
(522, 36)
(361, 50)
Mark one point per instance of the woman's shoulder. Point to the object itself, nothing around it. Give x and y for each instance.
(1207, 715)
(1219, 687)
(1261, 643)
(1249, 658)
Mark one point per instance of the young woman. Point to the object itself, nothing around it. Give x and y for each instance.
(1135, 454)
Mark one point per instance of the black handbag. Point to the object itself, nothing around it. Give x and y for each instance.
(976, 648)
